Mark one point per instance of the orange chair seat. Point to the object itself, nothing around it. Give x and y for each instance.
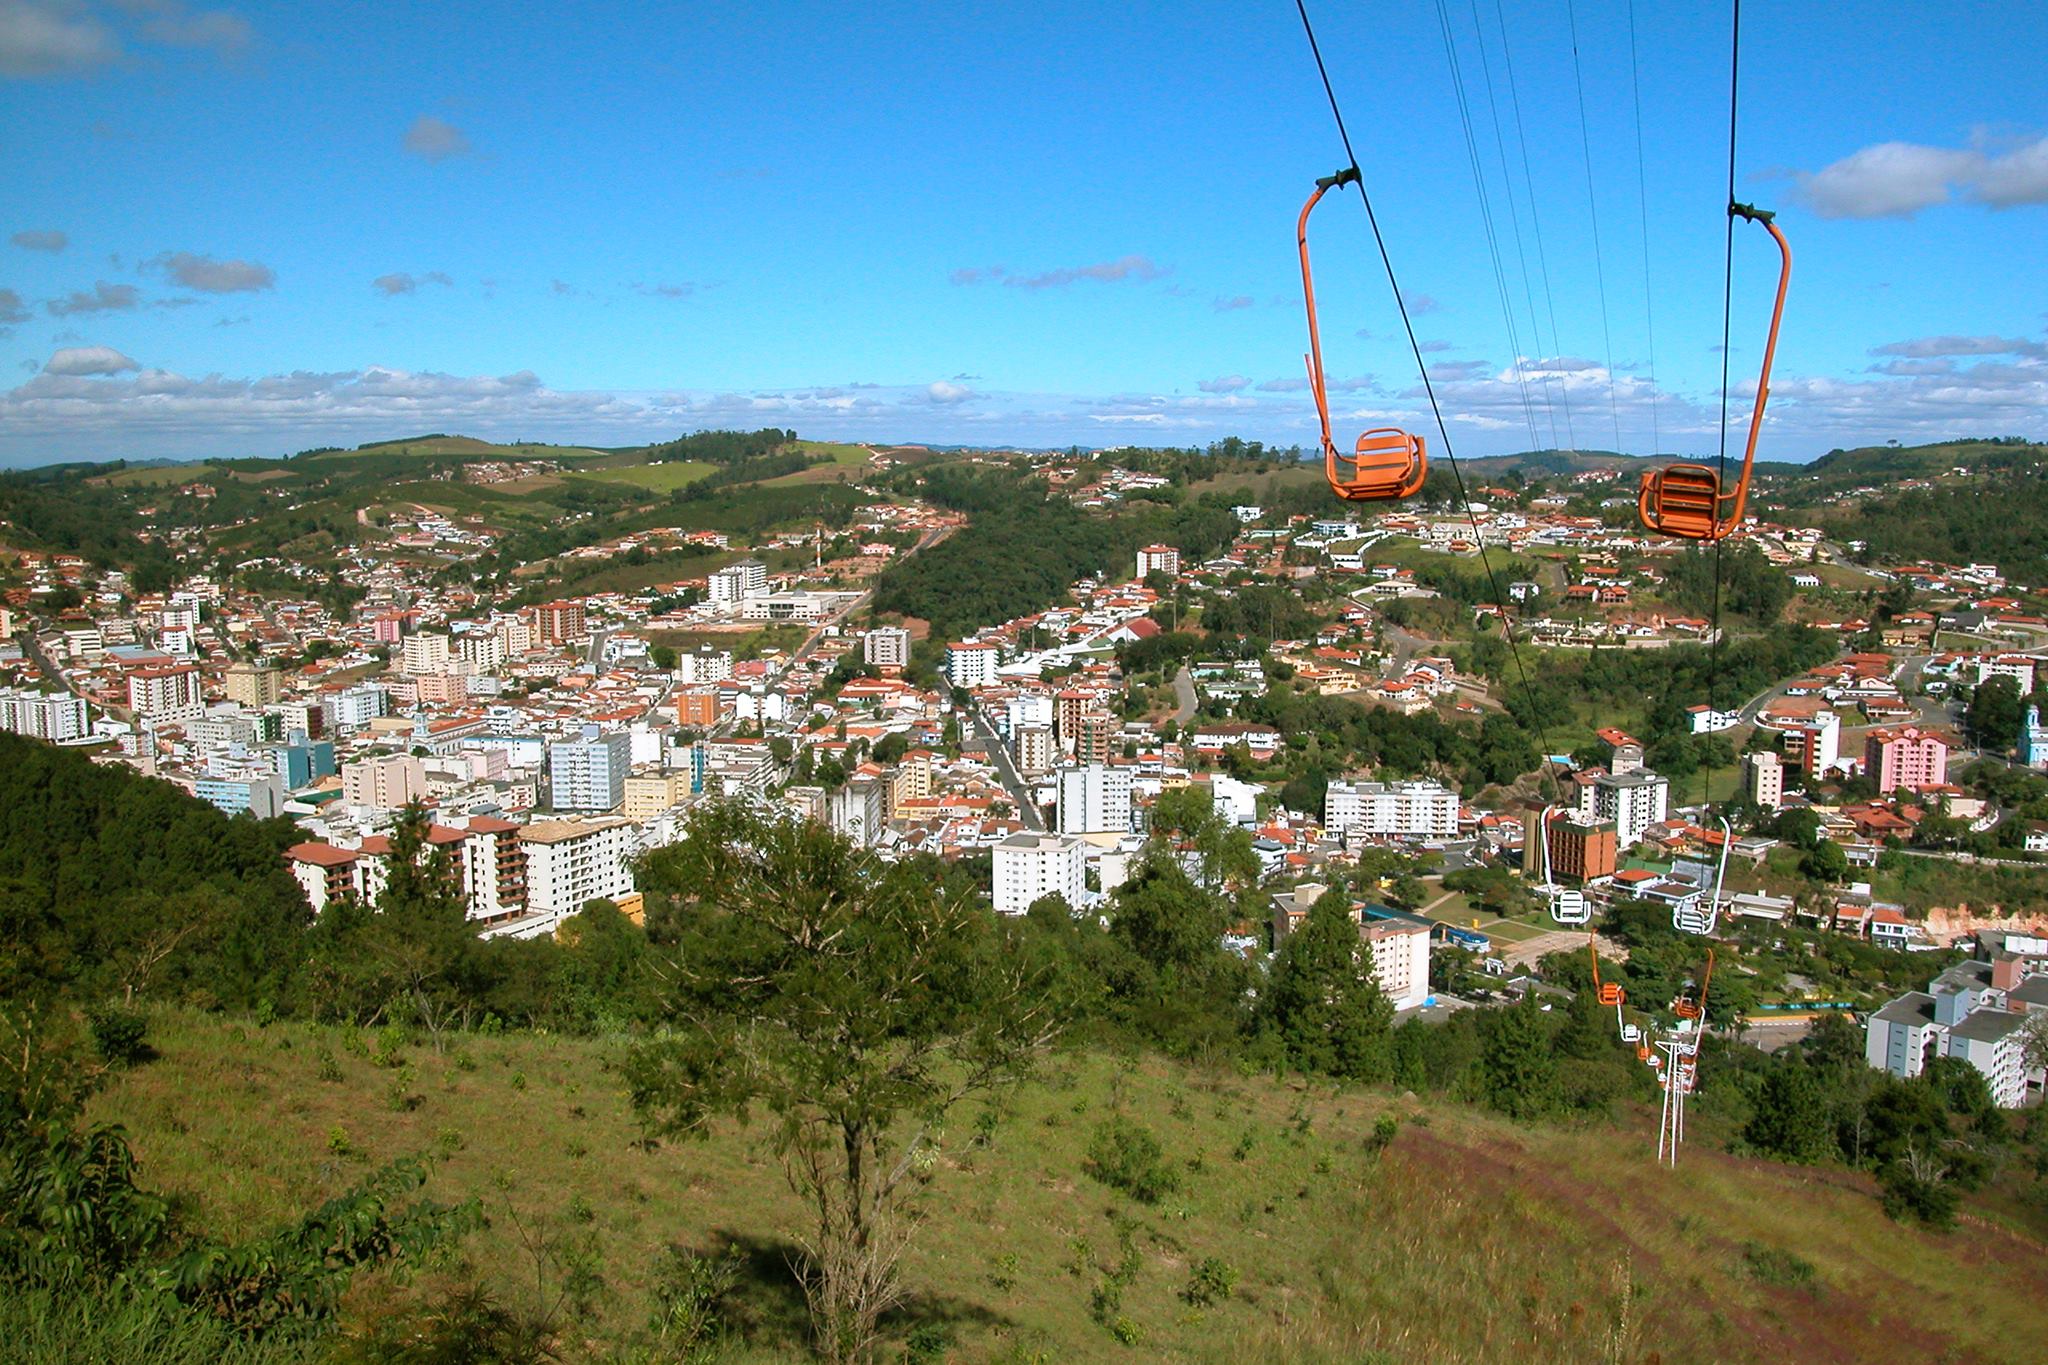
(1388, 463)
(1683, 500)
(1610, 994)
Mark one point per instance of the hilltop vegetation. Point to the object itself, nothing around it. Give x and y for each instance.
(1213, 1165)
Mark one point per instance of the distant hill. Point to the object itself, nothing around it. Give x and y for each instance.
(1873, 465)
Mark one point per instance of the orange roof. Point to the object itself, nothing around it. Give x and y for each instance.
(319, 854)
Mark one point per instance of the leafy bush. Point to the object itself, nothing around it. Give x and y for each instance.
(119, 1035)
(1774, 1265)
(1124, 1155)
(1213, 1282)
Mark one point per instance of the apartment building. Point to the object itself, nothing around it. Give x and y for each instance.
(589, 773)
(56, 716)
(1764, 781)
(1975, 1011)
(732, 585)
(1634, 801)
(971, 664)
(557, 622)
(386, 782)
(1905, 757)
(571, 862)
(1093, 799)
(253, 685)
(886, 647)
(1159, 559)
(1031, 866)
(172, 693)
(1398, 809)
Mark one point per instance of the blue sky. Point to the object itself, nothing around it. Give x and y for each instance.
(264, 228)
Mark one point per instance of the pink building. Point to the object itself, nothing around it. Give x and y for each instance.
(1907, 757)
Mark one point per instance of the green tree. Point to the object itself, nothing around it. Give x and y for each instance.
(1791, 1119)
(1995, 713)
(855, 1006)
(1323, 1002)
(1518, 1068)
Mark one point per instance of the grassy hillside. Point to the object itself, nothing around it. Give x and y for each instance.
(1466, 1238)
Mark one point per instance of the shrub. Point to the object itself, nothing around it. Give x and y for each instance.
(119, 1035)
(1213, 1281)
(1773, 1265)
(1125, 1156)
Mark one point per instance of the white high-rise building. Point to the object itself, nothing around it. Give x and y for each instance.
(1094, 799)
(354, 707)
(55, 716)
(703, 666)
(482, 650)
(590, 773)
(165, 693)
(1159, 559)
(1633, 801)
(1031, 866)
(571, 862)
(735, 583)
(886, 647)
(1407, 809)
(972, 664)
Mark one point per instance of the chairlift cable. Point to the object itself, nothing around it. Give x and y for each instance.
(1593, 218)
(1354, 175)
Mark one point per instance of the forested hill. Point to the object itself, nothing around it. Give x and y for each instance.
(111, 883)
(1976, 502)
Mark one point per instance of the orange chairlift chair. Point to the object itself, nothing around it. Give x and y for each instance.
(1610, 993)
(1387, 462)
(1687, 500)
(1696, 1009)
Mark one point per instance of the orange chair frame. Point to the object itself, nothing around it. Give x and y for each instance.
(1687, 500)
(1387, 462)
(1610, 994)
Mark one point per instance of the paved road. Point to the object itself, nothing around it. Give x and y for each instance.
(999, 758)
(1184, 691)
(34, 649)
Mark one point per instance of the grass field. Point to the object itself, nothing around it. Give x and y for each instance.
(657, 478)
(1468, 1239)
(846, 460)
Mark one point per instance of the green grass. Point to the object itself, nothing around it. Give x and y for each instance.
(1469, 1239)
(657, 478)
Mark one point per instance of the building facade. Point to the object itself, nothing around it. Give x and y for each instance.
(589, 773)
(1093, 799)
(1031, 866)
(886, 647)
(1398, 809)
(1906, 757)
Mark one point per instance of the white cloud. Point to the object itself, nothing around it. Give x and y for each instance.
(944, 392)
(1420, 303)
(11, 308)
(84, 360)
(210, 276)
(40, 240)
(1233, 304)
(1898, 179)
(434, 139)
(681, 290)
(104, 298)
(49, 38)
(1229, 383)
